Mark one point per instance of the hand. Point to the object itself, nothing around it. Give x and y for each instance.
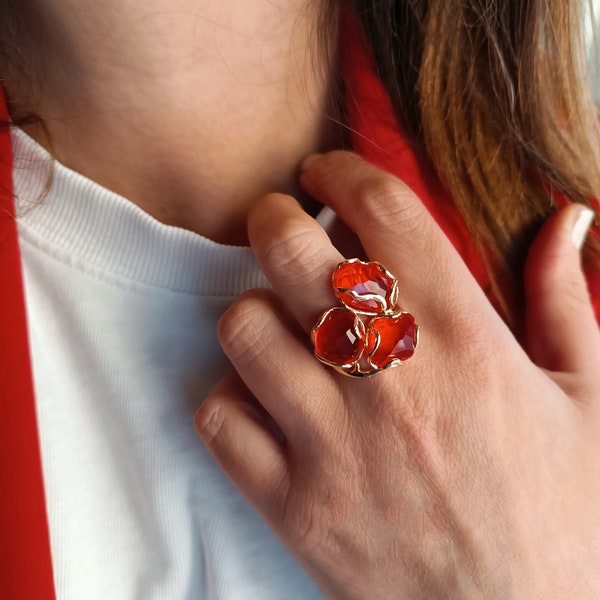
(471, 471)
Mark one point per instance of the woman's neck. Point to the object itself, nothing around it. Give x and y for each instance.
(191, 109)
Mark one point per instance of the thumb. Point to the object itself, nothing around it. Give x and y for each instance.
(562, 333)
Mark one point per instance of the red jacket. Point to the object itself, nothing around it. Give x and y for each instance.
(25, 559)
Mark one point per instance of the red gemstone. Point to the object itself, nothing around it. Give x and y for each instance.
(339, 337)
(364, 286)
(391, 338)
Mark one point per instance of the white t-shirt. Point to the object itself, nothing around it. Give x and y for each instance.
(122, 313)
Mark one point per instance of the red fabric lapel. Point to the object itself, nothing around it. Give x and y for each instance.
(379, 138)
(25, 559)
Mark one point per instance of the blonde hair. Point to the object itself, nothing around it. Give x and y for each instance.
(498, 94)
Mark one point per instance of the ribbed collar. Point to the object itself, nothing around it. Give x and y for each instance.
(94, 228)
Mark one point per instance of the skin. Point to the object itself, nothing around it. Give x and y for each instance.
(190, 109)
(471, 471)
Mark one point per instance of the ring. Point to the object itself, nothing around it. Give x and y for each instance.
(368, 333)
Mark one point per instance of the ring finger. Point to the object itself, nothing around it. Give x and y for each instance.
(276, 365)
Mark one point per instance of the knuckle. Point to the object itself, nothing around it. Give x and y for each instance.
(317, 521)
(385, 201)
(216, 429)
(209, 422)
(241, 330)
(293, 247)
(308, 528)
(406, 407)
(461, 327)
(477, 358)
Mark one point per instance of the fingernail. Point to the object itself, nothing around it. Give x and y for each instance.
(308, 161)
(581, 227)
(207, 426)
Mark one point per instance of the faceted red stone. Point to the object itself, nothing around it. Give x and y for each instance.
(371, 286)
(391, 338)
(339, 338)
